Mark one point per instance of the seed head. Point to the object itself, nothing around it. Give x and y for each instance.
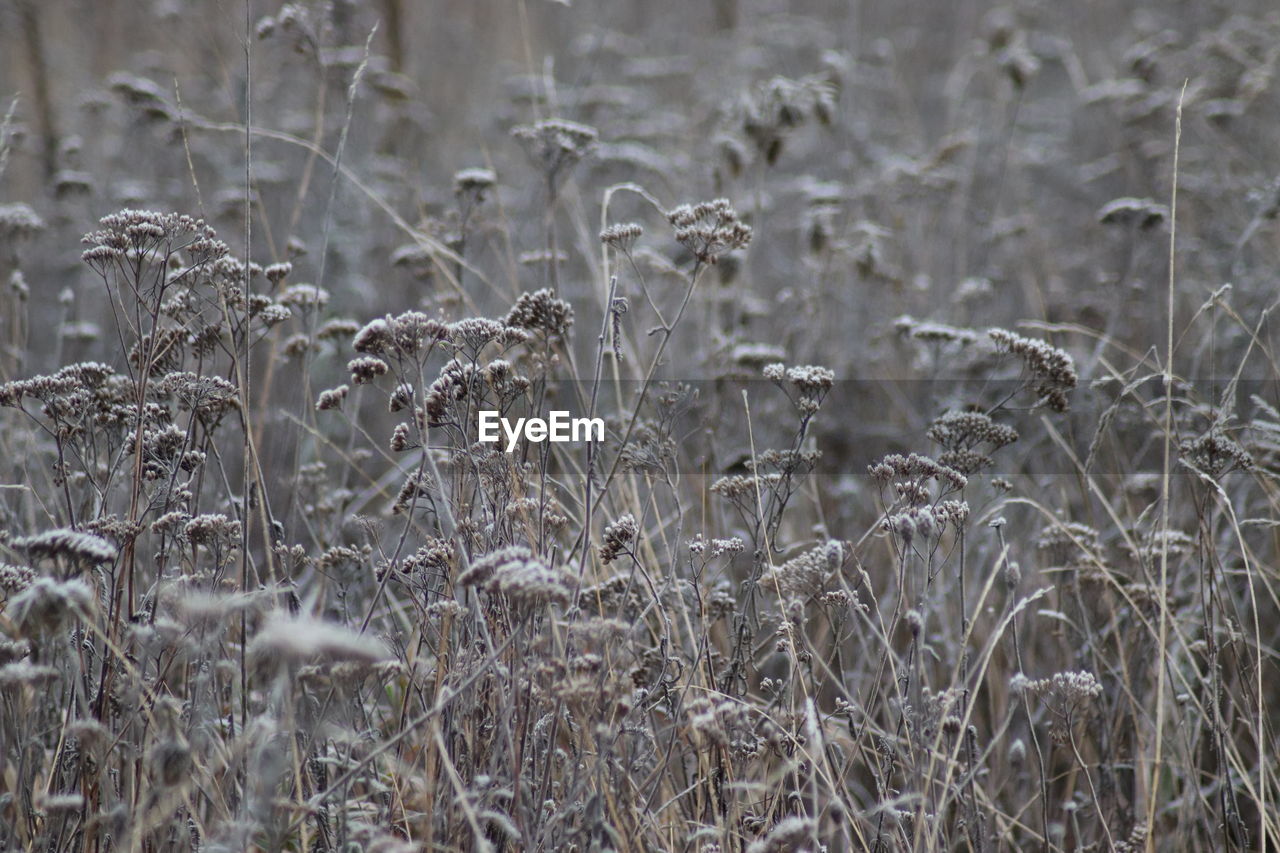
(474, 183)
(556, 145)
(332, 398)
(276, 273)
(541, 311)
(516, 573)
(304, 639)
(19, 220)
(72, 545)
(365, 369)
(1052, 370)
(622, 237)
(709, 229)
(617, 536)
(47, 603)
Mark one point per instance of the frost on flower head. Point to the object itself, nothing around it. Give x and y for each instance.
(72, 545)
(516, 573)
(47, 603)
(295, 640)
(709, 229)
(556, 145)
(1052, 370)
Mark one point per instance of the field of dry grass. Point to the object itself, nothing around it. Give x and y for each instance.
(938, 506)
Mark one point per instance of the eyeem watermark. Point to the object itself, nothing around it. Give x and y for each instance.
(558, 427)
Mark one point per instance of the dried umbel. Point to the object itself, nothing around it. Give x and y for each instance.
(1215, 453)
(1174, 543)
(501, 377)
(414, 333)
(531, 584)
(212, 530)
(457, 381)
(337, 329)
(276, 273)
(732, 545)
(618, 536)
(164, 451)
(967, 439)
(15, 578)
(1143, 212)
(1068, 688)
(758, 355)
(912, 472)
(1066, 694)
(434, 558)
(474, 183)
(365, 369)
(709, 229)
(514, 572)
(1069, 544)
(306, 297)
(473, 334)
(402, 438)
(927, 521)
(374, 338)
(556, 144)
(19, 220)
(745, 490)
(146, 234)
(410, 335)
(419, 490)
(171, 523)
(935, 333)
(542, 257)
(26, 674)
(811, 382)
(341, 560)
(46, 604)
(143, 95)
(622, 237)
(935, 714)
(1052, 370)
(699, 545)
(209, 397)
(74, 380)
(401, 398)
(737, 726)
(332, 398)
(266, 311)
(807, 574)
(541, 311)
(295, 640)
(73, 546)
(471, 187)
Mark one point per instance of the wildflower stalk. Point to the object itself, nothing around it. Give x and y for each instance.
(1153, 777)
(587, 502)
(1026, 703)
(666, 331)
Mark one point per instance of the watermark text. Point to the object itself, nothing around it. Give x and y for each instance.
(557, 427)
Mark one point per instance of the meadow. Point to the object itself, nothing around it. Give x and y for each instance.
(938, 501)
